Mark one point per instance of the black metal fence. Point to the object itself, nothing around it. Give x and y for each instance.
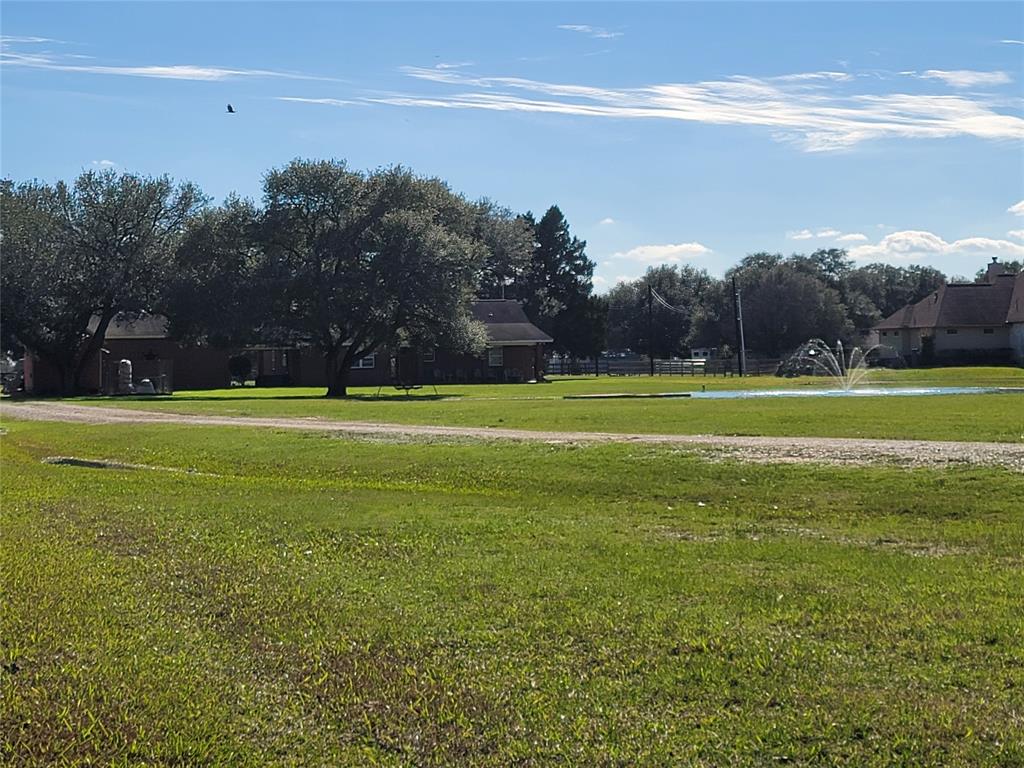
(641, 366)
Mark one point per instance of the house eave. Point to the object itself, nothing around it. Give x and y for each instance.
(518, 343)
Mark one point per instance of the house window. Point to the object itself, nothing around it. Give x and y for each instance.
(428, 356)
(989, 330)
(951, 331)
(884, 333)
(365, 362)
(496, 357)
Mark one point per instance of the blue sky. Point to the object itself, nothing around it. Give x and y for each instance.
(681, 133)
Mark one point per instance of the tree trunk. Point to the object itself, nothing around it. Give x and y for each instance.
(337, 386)
(337, 377)
(92, 348)
(68, 379)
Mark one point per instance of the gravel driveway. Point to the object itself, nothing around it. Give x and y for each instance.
(822, 450)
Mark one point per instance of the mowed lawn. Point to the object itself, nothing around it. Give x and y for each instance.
(264, 597)
(995, 417)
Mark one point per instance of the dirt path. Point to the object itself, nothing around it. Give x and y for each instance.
(826, 450)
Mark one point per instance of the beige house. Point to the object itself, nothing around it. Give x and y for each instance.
(960, 322)
(1015, 319)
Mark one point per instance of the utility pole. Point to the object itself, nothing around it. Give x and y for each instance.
(650, 325)
(738, 309)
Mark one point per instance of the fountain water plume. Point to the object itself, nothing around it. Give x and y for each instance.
(846, 371)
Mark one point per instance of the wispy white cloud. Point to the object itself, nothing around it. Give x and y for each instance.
(1017, 209)
(72, 63)
(818, 114)
(103, 164)
(455, 65)
(826, 233)
(590, 30)
(1012, 42)
(966, 78)
(917, 245)
(597, 280)
(607, 221)
(26, 39)
(1016, 234)
(328, 102)
(670, 253)
(805, 76)
(802, 234)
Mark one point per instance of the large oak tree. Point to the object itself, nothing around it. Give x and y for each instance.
(363, 260)
(218, 292)
(77, 256)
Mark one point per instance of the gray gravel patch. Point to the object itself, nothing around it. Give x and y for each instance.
(774, 450)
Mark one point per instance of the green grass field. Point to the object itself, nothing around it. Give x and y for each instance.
(267, 597)
(995, 417)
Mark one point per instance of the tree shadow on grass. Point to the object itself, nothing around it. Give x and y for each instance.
(396, 397)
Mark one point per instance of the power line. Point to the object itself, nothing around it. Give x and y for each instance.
(657, 297)
(663, 303)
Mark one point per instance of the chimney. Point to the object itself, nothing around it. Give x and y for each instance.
(994, 269)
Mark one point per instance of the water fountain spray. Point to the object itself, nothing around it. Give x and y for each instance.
(846, 371)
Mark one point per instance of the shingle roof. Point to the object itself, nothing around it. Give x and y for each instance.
(960, 305)
(505, 320)
(977, 303)
(507, 323)
(920, 315)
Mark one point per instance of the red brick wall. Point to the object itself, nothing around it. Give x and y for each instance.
(519, 364)
(207, 368)
(193, 367)
(190, 367)
(312, 370)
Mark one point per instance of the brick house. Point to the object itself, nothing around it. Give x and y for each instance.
(515, 351)
(515, 354)
(153, 354)
(965, 322)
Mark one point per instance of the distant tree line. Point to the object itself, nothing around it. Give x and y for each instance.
(350, 261)
(785, 301)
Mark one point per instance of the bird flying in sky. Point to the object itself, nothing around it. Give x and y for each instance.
(231, 110)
